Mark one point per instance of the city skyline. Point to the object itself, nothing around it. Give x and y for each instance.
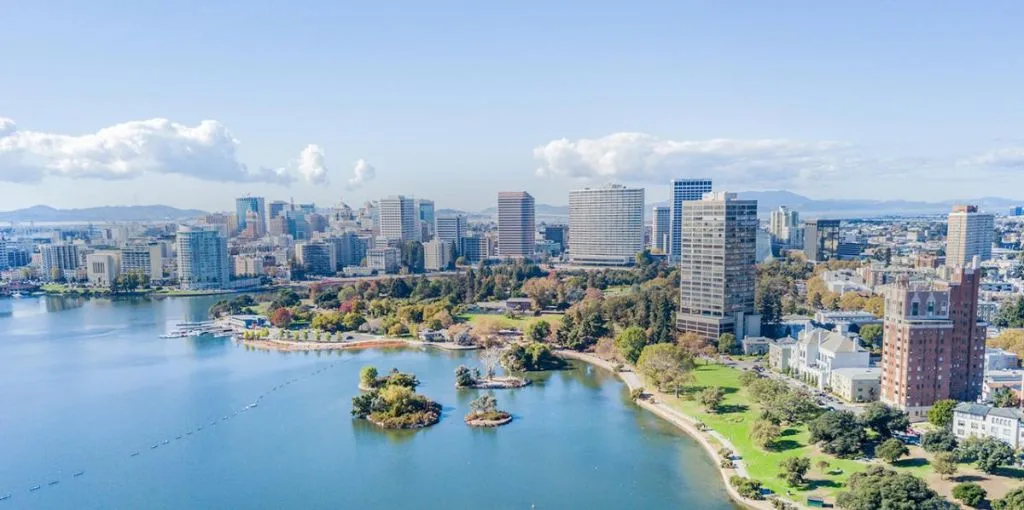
(353, 113)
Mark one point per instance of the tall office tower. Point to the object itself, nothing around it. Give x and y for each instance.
(146, 259)
(933, 345)
(425, 213)
(557, 234)
(661, 221)
(821, 240)
(969, 234)
(517, 229)
(437, 255)
(785, 228)
(4, 263)
(277, 208)
(606, 225)
(716, 267)
(203, 260)
(59, 260)
(399, 220)
(349, 249)
(317, 257)
(683, 190)
(254, 204)
(307, 208)
(451, 228)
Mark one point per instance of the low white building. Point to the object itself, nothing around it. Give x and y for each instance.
(857, 384)
(995, 380)
(103, 267)
(977, 420)
(384, 260)
(437, 255)
(998, 359)
(818, 352)
(780, 354)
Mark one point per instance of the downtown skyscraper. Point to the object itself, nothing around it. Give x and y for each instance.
(683, 190)
(606, 225)
(399, 219)
(516, 224)
(717, 276)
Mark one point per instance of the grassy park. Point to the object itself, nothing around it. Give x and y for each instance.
(503, 322)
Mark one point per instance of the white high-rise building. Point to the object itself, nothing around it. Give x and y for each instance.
(203, 261)
(683, 190)
(399, 219)
(451, 228)
(786, 228)
(143, 258)
(661, 223)
(59, 260)
(437, 255)
(607, 225)
(969, 234)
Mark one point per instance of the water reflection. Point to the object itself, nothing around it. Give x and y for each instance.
(56, 304)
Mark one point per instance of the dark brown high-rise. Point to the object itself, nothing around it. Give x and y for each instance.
(933, 344)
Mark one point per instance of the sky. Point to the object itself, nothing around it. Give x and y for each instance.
(193, 103)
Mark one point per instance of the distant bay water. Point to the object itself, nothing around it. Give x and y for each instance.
(99, 412)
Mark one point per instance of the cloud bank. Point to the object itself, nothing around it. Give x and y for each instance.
(362, 173)
(207, 151)
(642, 157)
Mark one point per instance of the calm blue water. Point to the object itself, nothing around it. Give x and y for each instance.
(84, 383)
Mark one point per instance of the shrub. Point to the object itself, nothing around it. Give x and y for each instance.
(971, 494)
(750, 489)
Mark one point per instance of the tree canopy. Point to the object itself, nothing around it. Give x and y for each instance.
(881, 488)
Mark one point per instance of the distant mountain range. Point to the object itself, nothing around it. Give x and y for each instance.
(42, 213)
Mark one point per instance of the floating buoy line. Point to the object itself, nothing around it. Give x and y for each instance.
(5, 496)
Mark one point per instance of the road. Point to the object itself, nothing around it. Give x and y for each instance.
(824, 399)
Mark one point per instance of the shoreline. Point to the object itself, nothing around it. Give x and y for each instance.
(687, 425)
(270, 344)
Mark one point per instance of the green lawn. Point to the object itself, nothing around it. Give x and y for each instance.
(739, 414)
(519, 323)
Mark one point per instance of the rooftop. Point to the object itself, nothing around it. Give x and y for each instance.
(859, 374)
(984, 410)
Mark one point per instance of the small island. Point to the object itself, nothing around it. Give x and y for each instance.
(391, 402)
(485, 413)
(369, 380)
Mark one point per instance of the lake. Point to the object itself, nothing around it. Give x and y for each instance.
(84, 384)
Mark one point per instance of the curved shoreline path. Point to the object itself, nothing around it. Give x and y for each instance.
(686, 424)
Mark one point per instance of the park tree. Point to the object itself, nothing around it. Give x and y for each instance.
(631, 342)
(941, 413)
(884, 420)
(667, 365)
(538, 331)
(490, 358)
(941, 440)
(945, 465)
(970, 494)
(711, 398)
(464, 377)
(764, 433)
(692, 343)
(987, 453)
(839, 432)
(281, 317)
(793, 470)
(872, 335)
(543, 291)
(727, 343)
(892, 450)
(1013, 500)
(1005, 397)
(368, 377)
(748, 377)
(879, 488)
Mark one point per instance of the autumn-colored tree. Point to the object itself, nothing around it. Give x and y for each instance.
(281, 317)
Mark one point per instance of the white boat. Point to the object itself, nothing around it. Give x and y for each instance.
(16, 295)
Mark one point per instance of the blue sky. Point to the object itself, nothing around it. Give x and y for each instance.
(456, 101)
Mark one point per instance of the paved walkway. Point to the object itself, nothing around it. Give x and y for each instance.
(684, 422)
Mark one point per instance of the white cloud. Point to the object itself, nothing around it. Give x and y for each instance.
(207, 151)
(361, 174)
(1007, 158)
(641, 157)
(311, 165)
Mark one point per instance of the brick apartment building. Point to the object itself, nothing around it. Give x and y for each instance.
(933, 343)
